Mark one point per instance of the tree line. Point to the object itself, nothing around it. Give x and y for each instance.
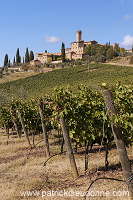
(101, 53)
(29, 55)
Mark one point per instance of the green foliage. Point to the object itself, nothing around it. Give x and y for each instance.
(6, 60)
(117, 48)
(102, 59)
(18, 58)
(84, 112)
(47, 109)
(27, 55)
(88, 50)
(94, 49)
(1, 70)
(63, 52)
(31, 56)
(43, 83)
(99, 53)
(111, 53)
(5, 116)
(54, 57)
(123, 95)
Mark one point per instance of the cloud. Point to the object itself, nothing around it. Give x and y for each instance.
(127, 41)
(126, 17)
(52, 39)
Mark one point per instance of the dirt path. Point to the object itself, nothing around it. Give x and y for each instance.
(120, 64)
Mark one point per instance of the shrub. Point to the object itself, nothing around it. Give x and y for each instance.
(131, 60)
(111, 53)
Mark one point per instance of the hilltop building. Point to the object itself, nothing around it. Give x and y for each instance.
(129, 50)
(46, 57)
(76, 50)
(35, 62)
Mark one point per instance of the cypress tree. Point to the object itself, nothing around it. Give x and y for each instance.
(31, 56)
(6, 60)
(18, 58)
(63, 52)
(27, 55)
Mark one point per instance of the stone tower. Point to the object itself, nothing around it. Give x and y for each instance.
(78, 36)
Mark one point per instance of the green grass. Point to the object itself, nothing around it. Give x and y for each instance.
(43, 83)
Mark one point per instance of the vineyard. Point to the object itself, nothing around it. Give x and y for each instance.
(75, 76)
(80, 119)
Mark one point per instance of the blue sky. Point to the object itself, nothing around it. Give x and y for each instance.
(42, 25)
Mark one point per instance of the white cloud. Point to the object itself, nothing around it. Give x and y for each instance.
(126, 17)
(127, 41)
(52, 39)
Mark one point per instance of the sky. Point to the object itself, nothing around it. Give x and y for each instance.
(44, 24)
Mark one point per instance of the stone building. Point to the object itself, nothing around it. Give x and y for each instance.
(76, 50)
(35, 62)
(129, 50)
(44, 57)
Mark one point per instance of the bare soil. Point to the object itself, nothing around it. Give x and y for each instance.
(123, 61)
(22, 178)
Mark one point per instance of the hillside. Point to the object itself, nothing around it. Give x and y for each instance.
(16, 74)
(43, 83)
(123, 61)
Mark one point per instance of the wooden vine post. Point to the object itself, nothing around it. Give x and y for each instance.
(122, 153)
(7, 133)
(86, 155)
(68, 146)
(45, 136)
(23, 127)
(15, 123)
(16, 128)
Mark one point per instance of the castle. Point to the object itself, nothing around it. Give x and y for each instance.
(76, 50)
